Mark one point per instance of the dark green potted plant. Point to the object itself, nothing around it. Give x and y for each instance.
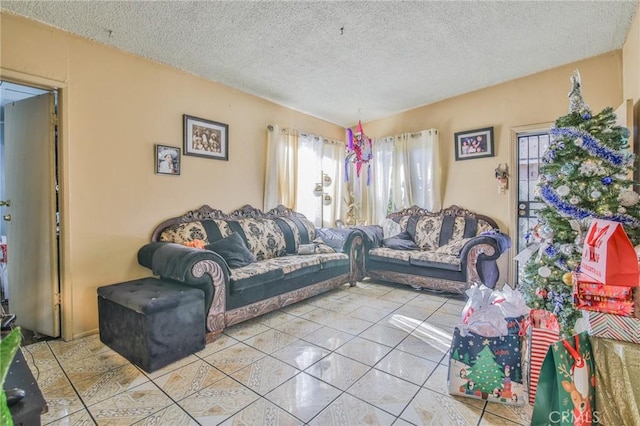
(8, 348)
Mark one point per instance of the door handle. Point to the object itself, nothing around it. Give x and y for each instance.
(5, 203)
(7, 217)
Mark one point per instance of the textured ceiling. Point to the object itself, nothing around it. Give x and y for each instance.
(348, 60)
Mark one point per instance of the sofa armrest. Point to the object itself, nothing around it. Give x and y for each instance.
(355, 248)
(373, 236)
(203, 269)
(478, 257)
(349, 241)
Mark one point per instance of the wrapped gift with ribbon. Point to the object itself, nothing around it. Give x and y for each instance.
(615, 327)
(591, 295)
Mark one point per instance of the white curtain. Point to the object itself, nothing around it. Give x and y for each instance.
(333, 154)
(280, 168)
(309, 173)
(382, 167)
(406, 172)
(295, 163)
(424, 170)
(401, 192)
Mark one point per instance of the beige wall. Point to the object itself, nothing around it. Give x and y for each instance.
(539, 98)
(115, 107)
(631, 76)
(631, 62)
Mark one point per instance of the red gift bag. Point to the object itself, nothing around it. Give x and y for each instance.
(543, 330)
(608, 256)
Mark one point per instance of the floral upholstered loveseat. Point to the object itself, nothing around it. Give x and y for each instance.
(250, 262)
(447, 250)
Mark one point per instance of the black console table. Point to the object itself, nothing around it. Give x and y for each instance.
(27, 411)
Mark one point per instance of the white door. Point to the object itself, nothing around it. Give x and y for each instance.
(31, 221)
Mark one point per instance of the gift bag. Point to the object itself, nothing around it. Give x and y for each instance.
(542, 331)
(608, 256)
(488, 368)
(566, 386)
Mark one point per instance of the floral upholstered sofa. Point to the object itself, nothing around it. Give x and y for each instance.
(250, 262)
(447, 250)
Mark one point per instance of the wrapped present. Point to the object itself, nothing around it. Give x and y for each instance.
(594, 296)
(617, 395)
(608, 255)
(614, 326)
(542, 330)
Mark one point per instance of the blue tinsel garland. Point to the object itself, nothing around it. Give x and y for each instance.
(550, 197)
(593, 146)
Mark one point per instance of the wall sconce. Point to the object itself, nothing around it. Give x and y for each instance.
(502, 175)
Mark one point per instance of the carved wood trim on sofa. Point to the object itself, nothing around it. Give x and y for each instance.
(449, 211)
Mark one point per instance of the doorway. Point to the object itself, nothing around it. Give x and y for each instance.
(29, 229)
(530, 147)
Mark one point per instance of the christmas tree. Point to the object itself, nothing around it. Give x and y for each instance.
(486, 373)
(585, 174)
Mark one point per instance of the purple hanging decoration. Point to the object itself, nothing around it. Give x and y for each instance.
(359, 151)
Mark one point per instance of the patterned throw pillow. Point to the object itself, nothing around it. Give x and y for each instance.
(316, 247)
(264, 238)
(483, 226)
(458, 228)
(321, 247)
(427, 233)
(183, 232)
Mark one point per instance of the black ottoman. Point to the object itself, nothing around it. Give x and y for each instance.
(151, 322)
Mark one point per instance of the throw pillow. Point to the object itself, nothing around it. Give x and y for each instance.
(317, 246)
(321, 247)
(304, 249)
(390, 228)
(233, 250)
(402, 241)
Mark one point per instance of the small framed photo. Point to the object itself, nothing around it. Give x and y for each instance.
(167, 160)
(474, 144)
(205, 138)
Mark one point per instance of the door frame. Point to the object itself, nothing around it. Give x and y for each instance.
(66, 299)
(513, 194)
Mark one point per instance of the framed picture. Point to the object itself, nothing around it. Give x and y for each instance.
(167, 160)
(474, 144)
(205, 138)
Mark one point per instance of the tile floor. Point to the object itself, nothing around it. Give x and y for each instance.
(374, 354)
